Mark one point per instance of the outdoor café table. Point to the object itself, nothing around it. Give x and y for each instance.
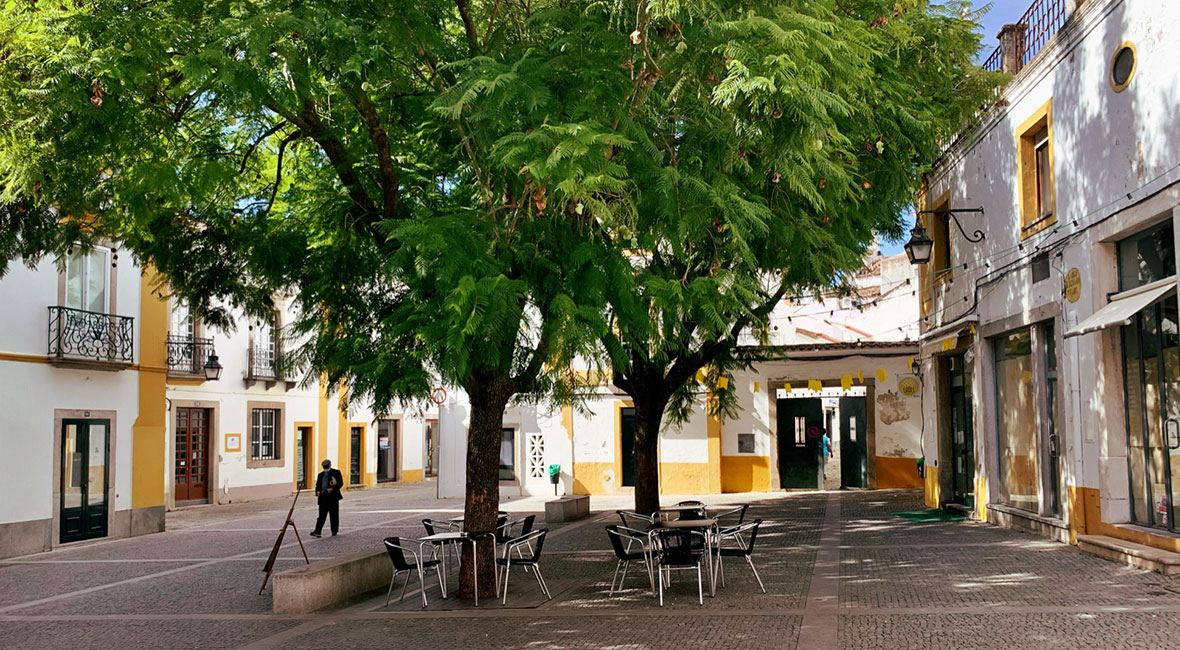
(707, 526)
(461, 538)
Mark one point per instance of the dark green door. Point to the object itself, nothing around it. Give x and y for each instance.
(627, 444)
(354, 464)
(962, 434)
(800, 426)
(853, 443)
(84, 476)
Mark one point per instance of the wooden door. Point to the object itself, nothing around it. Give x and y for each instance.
(853, 442)
(627, 442)
(800, 426)
(191, 468)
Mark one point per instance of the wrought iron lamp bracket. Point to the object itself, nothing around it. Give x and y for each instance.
(976, 236)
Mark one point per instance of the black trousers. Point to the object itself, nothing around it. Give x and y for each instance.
(328, 507)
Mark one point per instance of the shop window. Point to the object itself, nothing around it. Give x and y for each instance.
(1016, 420)
(1147, 257)
(1035, 163)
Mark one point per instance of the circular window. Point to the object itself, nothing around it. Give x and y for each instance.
(1122, 67)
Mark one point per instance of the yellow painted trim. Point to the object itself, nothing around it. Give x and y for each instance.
(567, 421)
(1026, 171)
(745, 473)
(174, 381)
(411, 476)
(1118, 88)
(1092, 524)
(23, 358)
(591, 478)
(309, 464)
(895, 473)
(148, 439)
(619, 406)
(943, 270)
(981, 498)
(713, 439)
(342, 432)
(932, 487)
(322, 442)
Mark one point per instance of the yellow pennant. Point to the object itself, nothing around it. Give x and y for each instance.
(815, 384)
(881, 375)
(756, 387)
(948, 344)
(786, 386)
(722, 382)
(911, 365)
(846, 382)
(860, 377)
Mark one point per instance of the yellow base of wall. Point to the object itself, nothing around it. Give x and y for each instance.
(1092, 524)
(932, 487)
(684, 478)
(745, 473)
(981, 498)
(411, 476)
(594, 478)
(895, 472)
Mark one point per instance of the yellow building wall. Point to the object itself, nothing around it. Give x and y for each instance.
(745, 473)
(931, 487)
(411, 476)
(893, 472)
(593, 478)
(148, 439)
(686, 478)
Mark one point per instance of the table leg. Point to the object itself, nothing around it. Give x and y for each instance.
(475, 567)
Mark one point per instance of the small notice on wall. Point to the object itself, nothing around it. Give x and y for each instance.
(1073, 285)
(233, 443)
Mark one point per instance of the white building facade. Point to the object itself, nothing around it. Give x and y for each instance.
(1049, 349)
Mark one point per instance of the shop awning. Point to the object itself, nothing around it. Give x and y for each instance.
(1123, 307)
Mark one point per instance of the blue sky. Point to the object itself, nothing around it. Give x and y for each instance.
(1001, 13)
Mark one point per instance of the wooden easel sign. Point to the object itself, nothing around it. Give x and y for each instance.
(274, 552)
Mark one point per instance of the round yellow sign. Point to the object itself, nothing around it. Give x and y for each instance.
(1073, 285)
(909, 386)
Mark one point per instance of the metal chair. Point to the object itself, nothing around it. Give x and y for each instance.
(397, 554)
(625, 556)
(531, 561)
(510, 530)
(678, 549)
(433, 526)
(743, 549)
(692, 514)
(636, 521)
(737, 511)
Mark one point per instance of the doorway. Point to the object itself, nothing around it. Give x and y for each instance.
(962, 434)
(853, 443)
(302, 453)
(430, 462)
(800, 422)
(85, 454)
(627, 445)
(388, 443)
(354, 456)
(191, 462)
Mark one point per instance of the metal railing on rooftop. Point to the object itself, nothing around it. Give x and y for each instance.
(1039, 23)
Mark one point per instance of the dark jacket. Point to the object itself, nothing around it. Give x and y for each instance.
(322, 483)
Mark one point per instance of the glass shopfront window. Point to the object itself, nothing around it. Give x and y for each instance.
(1015, 403)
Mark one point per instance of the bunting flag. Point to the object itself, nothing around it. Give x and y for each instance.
(911, 365)
(700, 376)
(846, 382)
(786, 386)
(948, 344)
(815, 385)
(756, 387)
(722, 382)
(859, 377)
(881, 376)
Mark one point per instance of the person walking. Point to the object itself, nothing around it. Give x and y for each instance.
(827, 448)
(327, 491)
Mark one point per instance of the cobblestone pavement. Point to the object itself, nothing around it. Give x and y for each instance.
(840, 568)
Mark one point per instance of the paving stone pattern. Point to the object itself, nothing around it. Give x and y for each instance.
(900, 584)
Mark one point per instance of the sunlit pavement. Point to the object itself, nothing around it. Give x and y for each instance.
(841, 571)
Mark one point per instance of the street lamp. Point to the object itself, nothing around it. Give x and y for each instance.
(919, 246)
(212, 368)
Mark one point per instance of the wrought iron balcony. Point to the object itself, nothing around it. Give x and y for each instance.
(91, 339)
(187, 355)
(264, 363)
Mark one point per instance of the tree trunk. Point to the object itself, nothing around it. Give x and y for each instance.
(649, 414)
(488, 399)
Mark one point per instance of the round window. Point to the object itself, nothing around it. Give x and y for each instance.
(1122, 67)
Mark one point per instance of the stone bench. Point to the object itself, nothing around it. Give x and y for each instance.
(567, 508)
(330, 582)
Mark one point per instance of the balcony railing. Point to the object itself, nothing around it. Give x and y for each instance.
(92, 337)
(262, 362)
(187, 355)
(1039, 23)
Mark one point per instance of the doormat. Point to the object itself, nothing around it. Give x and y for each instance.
(930, 516)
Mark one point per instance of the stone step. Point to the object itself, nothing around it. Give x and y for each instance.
(1132, 554)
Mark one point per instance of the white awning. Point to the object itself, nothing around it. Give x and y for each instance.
(1123, 307)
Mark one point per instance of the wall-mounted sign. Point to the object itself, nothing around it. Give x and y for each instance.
(233, 442)
(813, 431)
(745, 443)
(1073, 285)
(908, 386)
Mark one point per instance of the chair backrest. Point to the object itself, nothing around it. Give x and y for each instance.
(396, 554)
(692, 514)
(537, 538)
(737, 511)
(750, 529)
(691, 503)
(432, 526)
(617, 534)
(504, 530)
(526, 524)
(678, 546)
(631, 519)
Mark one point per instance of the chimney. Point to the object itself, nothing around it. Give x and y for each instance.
(1012, 47)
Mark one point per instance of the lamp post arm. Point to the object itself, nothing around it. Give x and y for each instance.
(974, 237)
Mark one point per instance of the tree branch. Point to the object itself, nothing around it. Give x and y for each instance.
(377, 134)
(279, 169)
(468, 25)
(269, 132)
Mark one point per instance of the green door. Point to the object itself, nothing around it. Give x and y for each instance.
(800, 427)
(84, 476)
(627, 444)
(962, 434)
(853, 443)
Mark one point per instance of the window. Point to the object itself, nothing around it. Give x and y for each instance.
(1147, 257)
(182, 321)
(939, 227)
(800, 431)
(745, 443)
(1035, 162)
(87, 279)
(508, 455)
(1016, 420)
(1122, 67)
(263, 443)
(264, 349)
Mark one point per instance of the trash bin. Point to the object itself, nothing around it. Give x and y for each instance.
(921, 463)
(555, 476)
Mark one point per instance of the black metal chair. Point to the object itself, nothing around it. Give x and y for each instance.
(433, 526)
(742, 549)
(397, 554)
(723, 517)
(626, 556)
(678, 549)
(531, 561)
(692, 514)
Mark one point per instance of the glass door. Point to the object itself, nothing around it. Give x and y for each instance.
(354, 459)
(1152, 389)
(962, 432)
(84, 476)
